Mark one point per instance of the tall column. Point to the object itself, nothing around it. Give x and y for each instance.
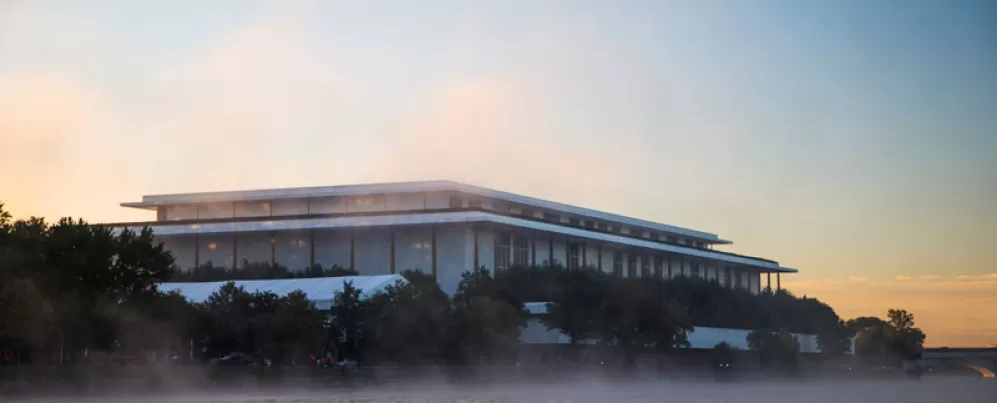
(668, 262)
(768, 281)
(311, 245)
(273, 249)
(434, 251)
(392, 247)
(353, 249)
(235, 248)
(533, 249)
(778, 282)
(598, 253)
(474, 230)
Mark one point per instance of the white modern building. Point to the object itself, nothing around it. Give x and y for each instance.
(440, 227)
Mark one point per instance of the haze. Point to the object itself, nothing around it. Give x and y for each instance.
(852, 140)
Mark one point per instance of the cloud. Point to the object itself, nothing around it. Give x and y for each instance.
(858, 278)
(979, 277)
(903, 278)
(928, 278)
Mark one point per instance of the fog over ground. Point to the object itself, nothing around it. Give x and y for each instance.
(931, 389)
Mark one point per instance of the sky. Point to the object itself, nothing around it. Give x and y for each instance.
(853, 140)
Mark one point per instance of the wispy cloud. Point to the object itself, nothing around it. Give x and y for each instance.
(903, 278)
(858, 278)
(984, 277)
(928, 278)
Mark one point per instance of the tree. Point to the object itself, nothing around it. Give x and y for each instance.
(902, 338)
(834, 340)
(346, 322)
(635, 318)
(408, 322)
(487, 319)
(775, 349)
(574, 308)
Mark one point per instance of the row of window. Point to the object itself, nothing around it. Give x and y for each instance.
(513, 250)
(399, 202)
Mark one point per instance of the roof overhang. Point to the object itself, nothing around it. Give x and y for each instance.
(154, 201)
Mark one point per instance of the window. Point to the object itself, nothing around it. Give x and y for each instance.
(521, 252)
(695, 268)
(618, 264)
(161, 214)
(574, 256)
(474, 203)
(671, 239)
(503, 251)
(645, 266)
(609, 228)
(631, 265)
(574, 221)
(527, 212)
(456, 202)
(658, 266)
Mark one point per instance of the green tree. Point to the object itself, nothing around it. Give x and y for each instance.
(722, 354)
(903, 340)
(346, 322)
(407, 323)
(636, 318)
(775, 349)
(487, 318)
(577, 298)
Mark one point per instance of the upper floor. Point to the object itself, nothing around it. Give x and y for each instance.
(405, 197)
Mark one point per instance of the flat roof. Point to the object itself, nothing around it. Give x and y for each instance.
(152, 201)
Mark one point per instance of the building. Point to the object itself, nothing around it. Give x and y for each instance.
(440, 227)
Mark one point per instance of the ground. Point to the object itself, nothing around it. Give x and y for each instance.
(929, 389)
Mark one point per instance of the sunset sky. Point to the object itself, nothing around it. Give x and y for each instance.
(853, 140)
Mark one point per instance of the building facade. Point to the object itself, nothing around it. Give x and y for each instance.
(439, 227)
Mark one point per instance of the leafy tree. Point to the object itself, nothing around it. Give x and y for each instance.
(487, 318)
(407, 323)
(834, 340)
(574, 308)
(635, 317)
(775, 349)
(346, 322)
(902, 338)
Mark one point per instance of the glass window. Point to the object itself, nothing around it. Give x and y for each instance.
(574, 256)
(659, 267)
(293, 250)
(456, 202)
(215, 250)
(631, 265)
(695, 268)
(521, 255)
(574, 221)
(671, 239)
(366, 203)
(289, 207)
(252, 209)
(503, 251)
(618, 264)
(645, 266)
(327, 205)
(215, 210)
(181, 212)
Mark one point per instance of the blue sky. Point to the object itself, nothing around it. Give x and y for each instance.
(854, 140)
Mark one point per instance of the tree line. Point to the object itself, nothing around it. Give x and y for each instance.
(70, 286)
